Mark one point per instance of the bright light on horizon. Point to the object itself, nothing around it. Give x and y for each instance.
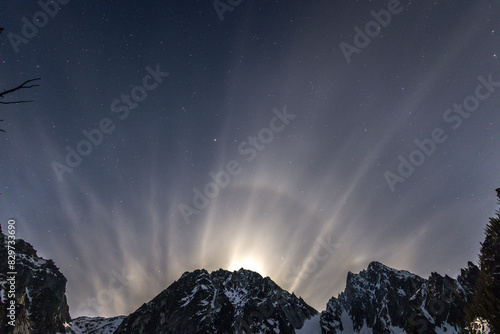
(248, 263)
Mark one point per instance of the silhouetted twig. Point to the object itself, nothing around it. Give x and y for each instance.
(21, 86)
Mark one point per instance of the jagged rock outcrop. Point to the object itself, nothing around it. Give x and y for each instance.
(40, 292)
(220, 302)
(385, 300)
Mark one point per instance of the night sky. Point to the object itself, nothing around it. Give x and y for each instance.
(303, 112)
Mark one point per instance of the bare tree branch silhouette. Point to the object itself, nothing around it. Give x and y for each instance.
(21, 86)
(25, 85)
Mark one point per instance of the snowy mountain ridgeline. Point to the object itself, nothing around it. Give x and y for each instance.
(377, 300)
(385, 300)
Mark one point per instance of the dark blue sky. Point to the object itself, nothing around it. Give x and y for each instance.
(303, 139)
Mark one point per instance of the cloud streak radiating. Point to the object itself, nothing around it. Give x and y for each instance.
(114, 226)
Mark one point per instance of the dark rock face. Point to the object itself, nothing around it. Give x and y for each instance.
(41, 305)
(220, 302)
(385, 300)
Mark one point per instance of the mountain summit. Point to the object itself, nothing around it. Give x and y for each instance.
(220, 302)
(385, 300)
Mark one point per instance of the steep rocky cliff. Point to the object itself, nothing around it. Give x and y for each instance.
(40, 292)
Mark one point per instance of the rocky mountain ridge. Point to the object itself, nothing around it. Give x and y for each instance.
(377, 300)
(385, 300)
(220, 302)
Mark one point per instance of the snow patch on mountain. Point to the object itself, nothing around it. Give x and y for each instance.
(95, 325)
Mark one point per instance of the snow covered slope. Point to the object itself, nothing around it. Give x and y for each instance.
(97, 325)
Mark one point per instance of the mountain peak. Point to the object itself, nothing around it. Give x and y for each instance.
(386, 300)
(199, 302)
(375, 265)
